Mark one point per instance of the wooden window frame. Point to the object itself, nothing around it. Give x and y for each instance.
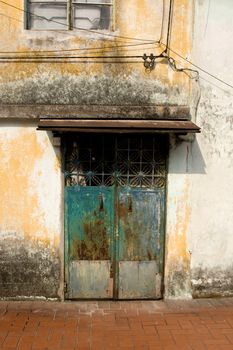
(70, 5)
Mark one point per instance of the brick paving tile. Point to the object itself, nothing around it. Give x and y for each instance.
(205, 324)
(10, 342)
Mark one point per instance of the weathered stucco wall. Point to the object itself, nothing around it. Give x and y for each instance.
(199, 240)
(81, 81)
(211, 239)
(30, 213)
(177, 255)
(31, 223)
(199, 256)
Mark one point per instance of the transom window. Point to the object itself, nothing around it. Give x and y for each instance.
(69, 14)
(122, 160)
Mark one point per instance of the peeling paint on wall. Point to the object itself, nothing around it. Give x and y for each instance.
(177, 259)
(30, 223)
(210, 230)
(28, 268)
(122, 82)
(30, 205)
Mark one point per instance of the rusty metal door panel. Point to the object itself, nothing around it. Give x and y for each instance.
(139, 280)
(114, 216)
(90, 279)
(141, 237)
(89, 222)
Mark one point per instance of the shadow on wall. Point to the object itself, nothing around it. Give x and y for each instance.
(185, 157)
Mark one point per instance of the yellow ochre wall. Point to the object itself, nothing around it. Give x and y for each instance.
(92, 81)
(31, 198)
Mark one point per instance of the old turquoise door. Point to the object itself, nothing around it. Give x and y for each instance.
(140, 227)
(114, 216)
(89, 218)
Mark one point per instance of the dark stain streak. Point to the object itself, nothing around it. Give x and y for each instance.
(135, 251)
(212, 282)
(129, 235)
(95, 243)
(86, 89)
(28, 269)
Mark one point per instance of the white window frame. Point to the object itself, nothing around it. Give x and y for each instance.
(70, 20)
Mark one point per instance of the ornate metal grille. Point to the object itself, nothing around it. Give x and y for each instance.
(95, 160)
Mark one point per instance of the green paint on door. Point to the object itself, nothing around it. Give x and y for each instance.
(114, 216)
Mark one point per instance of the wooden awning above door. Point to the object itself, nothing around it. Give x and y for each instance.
(118, 126)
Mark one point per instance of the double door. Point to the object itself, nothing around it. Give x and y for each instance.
(114, 216)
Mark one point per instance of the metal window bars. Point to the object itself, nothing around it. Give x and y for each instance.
(116, 160)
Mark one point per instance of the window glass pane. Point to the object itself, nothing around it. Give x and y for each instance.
(92, 17)
(93, 1)
(48, 13)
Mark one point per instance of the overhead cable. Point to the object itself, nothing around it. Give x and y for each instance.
(100, 48)
(78, 28)
(198, 67)
(169, 25)
(171, 60)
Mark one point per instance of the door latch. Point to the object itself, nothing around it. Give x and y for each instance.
(130, 205)
(101, 202)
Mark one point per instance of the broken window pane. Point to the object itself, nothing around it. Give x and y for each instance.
(53, 14)
(92, 16)
(48, 15)
(93, 1)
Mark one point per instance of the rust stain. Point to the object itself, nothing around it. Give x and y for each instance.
(95, 243)
(129, 234)
(135, 251)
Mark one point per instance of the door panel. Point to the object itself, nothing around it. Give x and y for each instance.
(114, 216)
(139, 280)
(90, 222)
(140, 229)
(90, 279)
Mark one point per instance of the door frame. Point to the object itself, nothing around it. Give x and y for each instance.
(116, 204)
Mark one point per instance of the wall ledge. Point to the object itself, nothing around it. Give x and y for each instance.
(35, 111)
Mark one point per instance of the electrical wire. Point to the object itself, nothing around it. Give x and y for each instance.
(173, 64)
(162, 23)
(171, 61)
(93, 49)
(163, 55)
(75, 61)
(198, 67)
(148, 42)
(169, 25)
(69, 57)
(78, 28)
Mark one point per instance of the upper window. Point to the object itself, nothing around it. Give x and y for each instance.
(69, 14)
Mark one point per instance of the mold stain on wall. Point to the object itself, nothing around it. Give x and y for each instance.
(27, 236)
(29, 259)
(92, 89)
(93, 81)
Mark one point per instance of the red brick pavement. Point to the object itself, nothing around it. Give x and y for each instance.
(136, 325)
